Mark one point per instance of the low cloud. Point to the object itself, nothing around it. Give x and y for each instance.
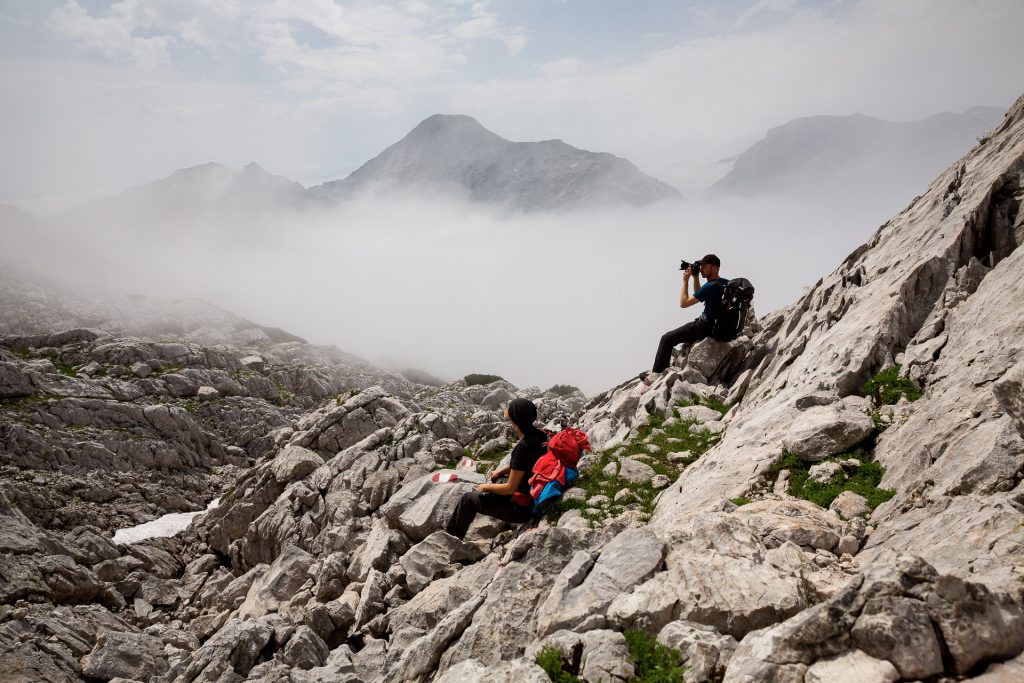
(450, 288)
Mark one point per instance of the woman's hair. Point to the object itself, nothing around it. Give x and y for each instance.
(523, 413)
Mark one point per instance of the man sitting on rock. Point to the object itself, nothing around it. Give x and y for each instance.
(509, 501)
(710, 294)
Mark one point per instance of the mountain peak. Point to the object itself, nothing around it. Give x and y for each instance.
(455, 153)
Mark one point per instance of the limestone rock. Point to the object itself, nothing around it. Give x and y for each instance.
(852, 667)
(850, 505)
(823, 472)
(431, 556)
(705, 652)
(421, 507)
(821, 431)
(280, 582)
(634, 472)
(1010, 392)
(134, 656)
(294, 462)
(895, 612)
(578, 598)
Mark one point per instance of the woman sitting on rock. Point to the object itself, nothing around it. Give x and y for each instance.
(509, 501)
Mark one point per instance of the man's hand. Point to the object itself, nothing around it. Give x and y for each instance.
(483, 488)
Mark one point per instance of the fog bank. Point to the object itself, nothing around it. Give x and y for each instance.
(579, 298)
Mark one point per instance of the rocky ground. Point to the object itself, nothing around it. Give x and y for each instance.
(836, 496)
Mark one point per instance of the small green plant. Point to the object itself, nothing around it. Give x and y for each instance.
(742, 500)
(473, 379)
(652, 661)
(283, 395)
(983, 139)
(887, 386)
(709, 402)
(562, 390)
(62, 367)
(550, 659)
(864, 481)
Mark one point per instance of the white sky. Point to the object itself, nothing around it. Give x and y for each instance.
(97, 96)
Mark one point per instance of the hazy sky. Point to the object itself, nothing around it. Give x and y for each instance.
(97, 96)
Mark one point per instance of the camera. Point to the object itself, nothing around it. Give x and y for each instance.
(683, 265)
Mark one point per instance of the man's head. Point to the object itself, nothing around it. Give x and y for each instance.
(709, 266)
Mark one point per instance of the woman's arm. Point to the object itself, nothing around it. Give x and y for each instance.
(503, 470)
(508, 488)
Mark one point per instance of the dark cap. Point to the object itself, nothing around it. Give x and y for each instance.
(711, 260)
(523, 413)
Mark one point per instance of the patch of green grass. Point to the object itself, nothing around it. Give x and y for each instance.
(283, 395)
(742, 500)
(669, 438)
(562, 390)
(863, 481)
(474, 378)
(652, 661)
(166, 371)
(709, 402)
(887, 386)
(550, 659)
(21, 353)
(191, 406)
(62, 367)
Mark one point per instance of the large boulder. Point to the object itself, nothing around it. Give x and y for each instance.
(423, 506)
(821, 431)
(134, 656)
(585, 588)
(280, 582)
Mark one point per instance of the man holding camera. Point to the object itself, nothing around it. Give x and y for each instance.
(710, 294)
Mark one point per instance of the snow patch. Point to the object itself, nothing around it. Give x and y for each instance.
(168, 525)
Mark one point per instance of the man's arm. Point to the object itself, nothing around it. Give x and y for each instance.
(508, 488)
(685, 300)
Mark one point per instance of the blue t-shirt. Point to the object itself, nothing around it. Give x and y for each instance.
(710, 293)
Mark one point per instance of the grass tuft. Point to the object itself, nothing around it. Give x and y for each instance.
(864, 481)
(652, 661)
(887, 386)
(550, 659)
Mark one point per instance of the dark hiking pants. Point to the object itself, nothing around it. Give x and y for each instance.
(490, 504)
(687, 334)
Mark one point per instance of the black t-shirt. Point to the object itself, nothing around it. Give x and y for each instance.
(525, 454)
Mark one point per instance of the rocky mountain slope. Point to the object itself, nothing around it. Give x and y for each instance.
(856, 153)
(835, 496)
(458, 156)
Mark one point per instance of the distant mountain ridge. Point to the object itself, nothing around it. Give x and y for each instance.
(856, 152)
(457, 154)
(448, 154)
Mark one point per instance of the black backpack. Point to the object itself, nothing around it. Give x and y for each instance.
(732, 315)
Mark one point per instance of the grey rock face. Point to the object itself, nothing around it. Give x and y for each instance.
(1010, 392)
(896, 612)
(134, 656)
(584, 590)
